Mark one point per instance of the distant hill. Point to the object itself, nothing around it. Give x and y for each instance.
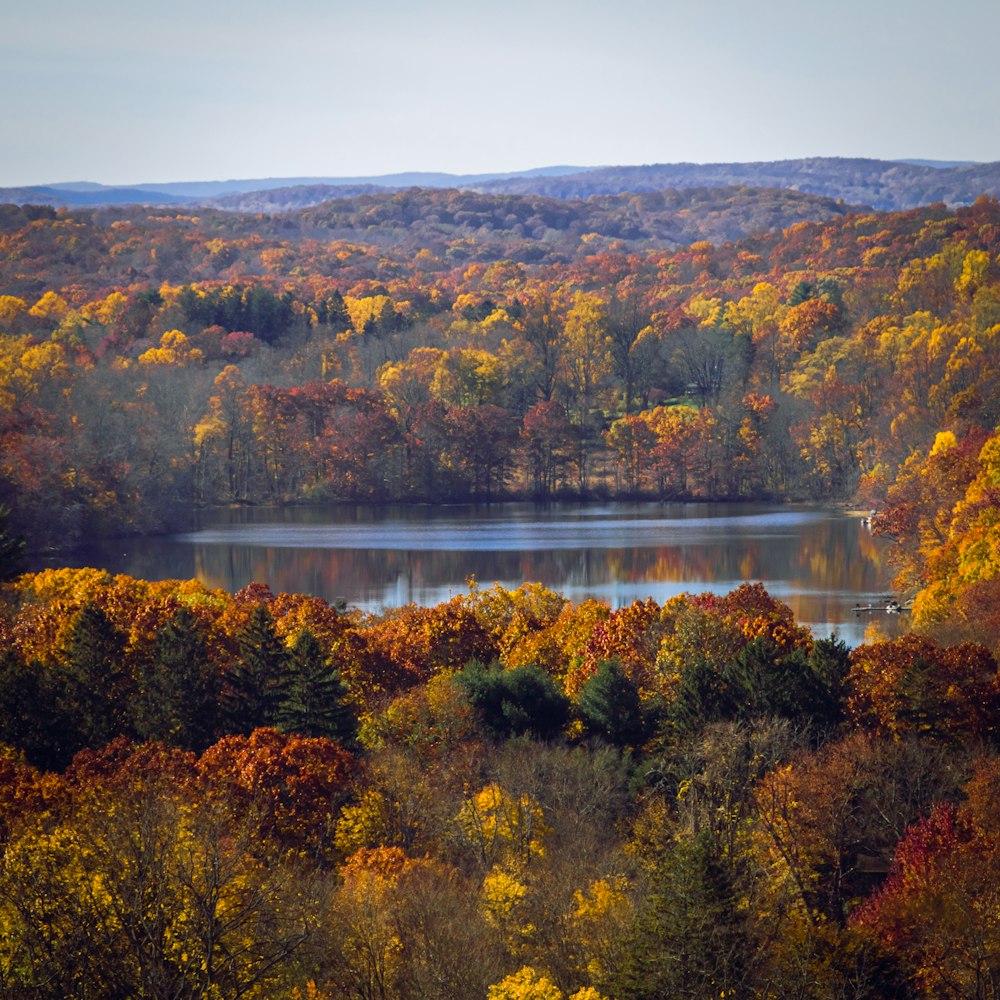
(90, 193)
(883, 184)
(289, 199)
(61, 196)
(886, 185)
(112, 244)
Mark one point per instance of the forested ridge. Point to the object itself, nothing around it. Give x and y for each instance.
(507, 796)
(888, 185)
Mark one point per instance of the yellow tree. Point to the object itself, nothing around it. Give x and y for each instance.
(137, 885)
(12, 309)
(501, 826)
(468, 377)
(50, 309)
(223, 438)
(174, 349)
(585, 367)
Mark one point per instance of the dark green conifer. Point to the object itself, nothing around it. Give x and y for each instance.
(179, 687)
(701, 698)
(31, 713)
(253, 686)
(98, 685)
(690, 938)
(515, 702)
(315, 700)
(609, 706)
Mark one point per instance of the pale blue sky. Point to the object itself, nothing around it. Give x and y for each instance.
(121, 91)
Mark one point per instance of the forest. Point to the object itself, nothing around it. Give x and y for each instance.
(151, 362)
(506, 796)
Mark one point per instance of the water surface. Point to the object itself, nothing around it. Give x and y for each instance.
(822, 562)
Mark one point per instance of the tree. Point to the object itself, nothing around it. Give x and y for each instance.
(628, 330)
(254, 685)
(633, 440)
(314, 701)
(179, 686)
(514, 702)
(609, 706)
(689, 938)
(139, 883)
(828, 822)
(97, 686)
(32, 718)
(585, 368)
(938, 910)
(502, 826)
(798, 687)
(542, 329)
(547, 440)
(291, 787)
(709, 360)
(911, 685)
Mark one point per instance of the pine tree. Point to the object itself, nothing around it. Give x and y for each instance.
(609, 705)
(98, 686)
(179, 687)
(315, 701)
(254, 684)
(515, 702)
(31, 715)
(689, 939)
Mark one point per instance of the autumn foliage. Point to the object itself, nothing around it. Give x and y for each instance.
(206, 794)
(166, 360)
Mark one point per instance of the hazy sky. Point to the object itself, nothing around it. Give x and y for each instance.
(127, 91)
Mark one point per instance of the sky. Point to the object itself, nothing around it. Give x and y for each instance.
(127, 92)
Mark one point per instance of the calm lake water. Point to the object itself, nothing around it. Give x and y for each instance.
(822, 562)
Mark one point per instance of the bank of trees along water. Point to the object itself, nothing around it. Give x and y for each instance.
(148, 362)
(506, 795)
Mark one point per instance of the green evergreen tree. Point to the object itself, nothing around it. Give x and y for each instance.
(803, 687)
(701, 698)
(315, 699)
(253, 689)
(609, 706)
(32, 716)
(179, 687)
(689, 939)
(524, 701)
(11, 547)
(98, 686)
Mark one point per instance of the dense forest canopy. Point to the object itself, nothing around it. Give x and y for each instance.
(507, 796)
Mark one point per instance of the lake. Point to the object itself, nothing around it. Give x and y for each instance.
(820, 561)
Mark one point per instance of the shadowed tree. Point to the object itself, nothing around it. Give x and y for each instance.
(32, 719)
(97, 687)
(689, 940)
(254, 685)
(515, 702)
(179, 687)
(609, 706)
(315, 697)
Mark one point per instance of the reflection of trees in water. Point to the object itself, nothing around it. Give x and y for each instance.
(824, 555)
(820, 567)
